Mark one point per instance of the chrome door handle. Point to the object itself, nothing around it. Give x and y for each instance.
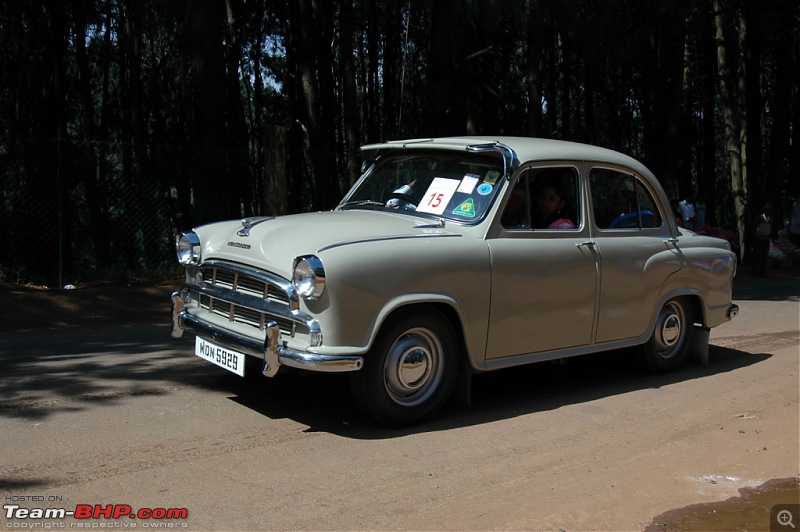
(588, 244)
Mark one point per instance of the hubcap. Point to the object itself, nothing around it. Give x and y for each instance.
(670, 327)
(671, 330)
(413, 367)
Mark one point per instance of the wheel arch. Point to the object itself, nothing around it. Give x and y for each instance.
(445, 307)
(694, 303)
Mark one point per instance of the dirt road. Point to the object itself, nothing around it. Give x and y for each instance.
(102, 414)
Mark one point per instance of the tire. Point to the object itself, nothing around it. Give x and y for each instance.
(410, 371)
(669, 345)
(252, 368)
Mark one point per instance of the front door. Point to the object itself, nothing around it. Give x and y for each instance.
(544, 272)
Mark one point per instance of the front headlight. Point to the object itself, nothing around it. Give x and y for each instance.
(187, 248)
(308, 277)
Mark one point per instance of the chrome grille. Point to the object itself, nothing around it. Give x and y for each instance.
(232, 282)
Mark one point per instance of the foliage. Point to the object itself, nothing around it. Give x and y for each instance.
(122, 121)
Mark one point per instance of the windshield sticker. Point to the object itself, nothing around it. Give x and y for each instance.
(438, 195)
(491, 177)
(484, 189)
(466, 209)
(468, 183)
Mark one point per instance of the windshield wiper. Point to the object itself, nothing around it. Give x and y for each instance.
(362, 203)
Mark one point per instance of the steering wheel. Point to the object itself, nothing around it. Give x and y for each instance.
(400, 200)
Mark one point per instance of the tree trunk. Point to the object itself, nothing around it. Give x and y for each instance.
(352, 121)
(275, 191)
(535, 42)
(733, 148)
(207, 126)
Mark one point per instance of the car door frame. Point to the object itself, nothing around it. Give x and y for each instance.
(648, 255)
(518, 324)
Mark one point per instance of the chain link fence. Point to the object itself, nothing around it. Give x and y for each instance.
(73, 212)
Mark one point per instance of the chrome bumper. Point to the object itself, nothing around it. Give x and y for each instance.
(272, 350)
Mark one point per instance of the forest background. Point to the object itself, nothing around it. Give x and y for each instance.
(123, 121)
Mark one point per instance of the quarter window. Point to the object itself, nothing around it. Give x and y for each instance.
(620, 201)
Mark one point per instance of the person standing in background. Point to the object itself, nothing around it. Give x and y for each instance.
(700, 212)
(676, 211)
(686, 209)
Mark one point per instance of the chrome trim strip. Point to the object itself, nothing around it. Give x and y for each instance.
(510, 159)
(387, 238)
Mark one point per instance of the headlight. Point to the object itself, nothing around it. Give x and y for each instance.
(187, 248)
(308, 277)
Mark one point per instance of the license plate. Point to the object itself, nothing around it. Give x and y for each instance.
(221, 356)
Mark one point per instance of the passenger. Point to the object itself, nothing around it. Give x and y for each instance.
(554, 210)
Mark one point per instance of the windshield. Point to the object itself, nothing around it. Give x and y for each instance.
(444, 184)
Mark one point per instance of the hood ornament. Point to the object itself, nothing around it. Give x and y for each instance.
(248, 223)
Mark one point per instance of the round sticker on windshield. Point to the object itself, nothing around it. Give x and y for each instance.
(484, 189)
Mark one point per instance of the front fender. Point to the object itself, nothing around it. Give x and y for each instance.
(366, 282)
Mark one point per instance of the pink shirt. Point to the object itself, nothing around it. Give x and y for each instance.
(562, 223)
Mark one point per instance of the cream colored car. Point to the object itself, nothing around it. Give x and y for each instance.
(453, 256)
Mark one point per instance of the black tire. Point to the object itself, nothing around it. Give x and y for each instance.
(669, 345)
(252, 368)
(409, 373)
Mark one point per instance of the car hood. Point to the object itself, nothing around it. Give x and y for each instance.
(273, 243)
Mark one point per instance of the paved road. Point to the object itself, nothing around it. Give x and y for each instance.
(130, 417)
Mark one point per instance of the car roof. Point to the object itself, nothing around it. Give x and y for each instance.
(526, 148)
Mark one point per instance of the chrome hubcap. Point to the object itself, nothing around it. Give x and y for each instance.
(413, 367)
(671, 330)
(670, 327)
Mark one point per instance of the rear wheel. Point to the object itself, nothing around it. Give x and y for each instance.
(410, 371)
(671, 340)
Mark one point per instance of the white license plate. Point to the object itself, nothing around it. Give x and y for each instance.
(221, 356)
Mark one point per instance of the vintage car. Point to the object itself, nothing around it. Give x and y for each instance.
(453, 256)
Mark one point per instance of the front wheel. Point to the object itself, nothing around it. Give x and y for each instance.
(410, 371)
(671, 340)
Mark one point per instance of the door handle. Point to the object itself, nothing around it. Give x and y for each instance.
(587, 243)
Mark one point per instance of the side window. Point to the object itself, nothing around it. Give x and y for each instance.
(517, 213)
(544, 198)
(620, 201)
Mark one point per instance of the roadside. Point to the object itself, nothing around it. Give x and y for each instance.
(103, 303)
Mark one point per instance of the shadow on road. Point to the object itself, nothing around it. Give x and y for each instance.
(45, 372)
(70, 369)
(781, 285)
(50, 372)
(323, 402)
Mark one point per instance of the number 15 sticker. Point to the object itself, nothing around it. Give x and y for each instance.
(438, 195)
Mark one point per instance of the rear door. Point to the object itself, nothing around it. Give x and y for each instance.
(630, 234)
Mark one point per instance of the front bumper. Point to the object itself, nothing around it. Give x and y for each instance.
(273, 350)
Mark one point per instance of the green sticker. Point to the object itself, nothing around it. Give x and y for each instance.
(491, 177)
(466, 209)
